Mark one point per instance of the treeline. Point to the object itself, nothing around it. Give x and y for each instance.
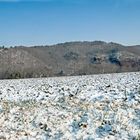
(16, 75)
(4, 47)
(20, 75)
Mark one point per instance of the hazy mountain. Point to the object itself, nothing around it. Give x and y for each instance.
(70, 58)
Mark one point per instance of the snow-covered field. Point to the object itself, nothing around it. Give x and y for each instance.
(90, 107)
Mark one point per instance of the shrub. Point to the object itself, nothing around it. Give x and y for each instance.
(71, 56)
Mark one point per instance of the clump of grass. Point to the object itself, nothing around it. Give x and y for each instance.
(138, 137)
(139, 91)
(23, 104)
(27, 103)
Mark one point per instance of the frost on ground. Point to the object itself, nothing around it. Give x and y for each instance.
(71, 108)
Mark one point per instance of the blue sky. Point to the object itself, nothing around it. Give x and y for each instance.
(40, 22)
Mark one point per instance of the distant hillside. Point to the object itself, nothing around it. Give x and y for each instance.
(70, 58)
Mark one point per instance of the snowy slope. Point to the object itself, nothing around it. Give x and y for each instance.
(71, 108)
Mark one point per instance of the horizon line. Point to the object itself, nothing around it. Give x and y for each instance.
(63, 42)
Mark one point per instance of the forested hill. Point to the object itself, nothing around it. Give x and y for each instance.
(70, 58)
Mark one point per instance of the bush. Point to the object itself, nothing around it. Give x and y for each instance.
(71, 56)
(95, 60)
